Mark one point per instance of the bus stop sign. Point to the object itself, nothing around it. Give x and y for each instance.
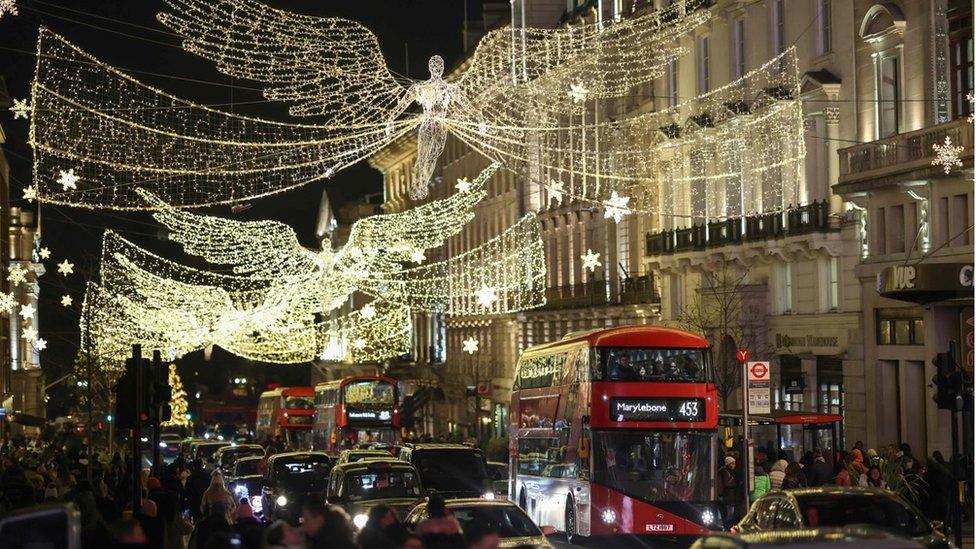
(759, 387)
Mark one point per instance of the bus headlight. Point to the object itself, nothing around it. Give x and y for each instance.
(707, 517)
(359, 521)
(488, 495)
(281, 501)
(609, 516)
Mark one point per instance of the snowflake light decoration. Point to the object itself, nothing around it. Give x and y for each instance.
(30, 194)
(44, 253)
(577, 92)
(368, 311)
(556, 191)
(17, 275)
(487, 296)
(947, 155)
(463, 185)
(8, 6)
(40, 344)
(972, 107)
(66, 300)
(30, 334)
(20, 108)
(590, 260)
(7, 302)
(67, 179)
(418, 256)
(27, 311)
(616, 207)
(66, 267)
(470, 346)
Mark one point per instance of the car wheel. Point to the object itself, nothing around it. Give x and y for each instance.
(571, 526)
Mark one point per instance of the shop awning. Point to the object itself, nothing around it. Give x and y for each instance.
(780, 417)
(927, 282)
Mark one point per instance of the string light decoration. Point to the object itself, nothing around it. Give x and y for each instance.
(119, 134)
(179, 407)
(733, 151)
(281, 302)
(8, 7)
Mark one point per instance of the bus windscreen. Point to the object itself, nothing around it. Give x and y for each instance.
(661, 365)
(654, 466)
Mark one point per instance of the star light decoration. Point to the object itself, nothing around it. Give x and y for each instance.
(66, 300)
(113, 129)
(44, 253)
(590, 260)
(470, 346)
(947, 155)
(27, 311)
(66, 267)
(20, 107)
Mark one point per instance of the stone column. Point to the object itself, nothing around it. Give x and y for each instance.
(832, 122)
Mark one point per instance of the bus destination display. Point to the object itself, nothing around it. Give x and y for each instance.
(657, 409)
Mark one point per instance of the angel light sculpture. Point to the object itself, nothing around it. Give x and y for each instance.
(113, 134)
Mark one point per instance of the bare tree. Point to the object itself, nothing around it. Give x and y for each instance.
(721, 311)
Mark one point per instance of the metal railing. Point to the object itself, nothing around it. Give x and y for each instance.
(909, 151)
(597, 293)
(813, 217)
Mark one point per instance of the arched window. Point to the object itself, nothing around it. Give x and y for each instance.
(883, 26)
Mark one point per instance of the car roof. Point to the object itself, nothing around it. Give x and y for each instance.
(276, 457)
(365, 465)
(442, 446)
(250, 458)
(474, 502)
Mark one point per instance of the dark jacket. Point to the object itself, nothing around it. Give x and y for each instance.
(207, 528)
(727, 484)
(819, 474)
(251, 531)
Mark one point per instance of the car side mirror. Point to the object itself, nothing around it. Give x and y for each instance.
(548, 530)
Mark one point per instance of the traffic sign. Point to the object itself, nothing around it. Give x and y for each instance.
(742, 355)
(759, 387)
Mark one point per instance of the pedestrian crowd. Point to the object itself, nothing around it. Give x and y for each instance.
(188, 507)
(870, 468)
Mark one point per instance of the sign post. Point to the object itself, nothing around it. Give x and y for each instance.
(742, 355)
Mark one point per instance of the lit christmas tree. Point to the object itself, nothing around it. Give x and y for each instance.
(180, 417)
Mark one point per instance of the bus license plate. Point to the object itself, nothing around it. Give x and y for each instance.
(659, 527)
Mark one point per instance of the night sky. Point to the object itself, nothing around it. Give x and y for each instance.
(126, 34)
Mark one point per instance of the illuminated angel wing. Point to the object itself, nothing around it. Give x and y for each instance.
(258, 249)
(383, 242)
(98, 134)
(505, 274)
(325, 66)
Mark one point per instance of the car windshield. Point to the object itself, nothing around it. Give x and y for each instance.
(229, 456)
(245, 467)
(876, 510)
(635, 364)
(207, 450)
(303, 474)
(381, 485)
(655, 466)
(508, 520)
(451, 470)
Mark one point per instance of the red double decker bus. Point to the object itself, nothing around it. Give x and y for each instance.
(356, 410)
(288, 412)
(615, 431)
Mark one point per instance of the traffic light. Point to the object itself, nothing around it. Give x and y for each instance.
(125, 397)
(944, 397)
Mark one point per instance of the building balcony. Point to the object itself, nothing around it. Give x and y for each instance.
(601, 293)
(902, 157)
(810, 218)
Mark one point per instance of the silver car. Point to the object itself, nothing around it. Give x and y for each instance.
(514, 527)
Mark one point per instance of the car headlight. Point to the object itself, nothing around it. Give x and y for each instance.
(609, 516)
(488, 495)
(281, 501)
(360, 520)
(162, 445)
(707, 517)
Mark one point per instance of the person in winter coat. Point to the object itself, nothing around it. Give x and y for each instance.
(820, 473)
(794, 477)
(777, 473)
(211, 526)
(728, 489)
(247, 527)
(760, 483)
(382, 530)
(872, 479)
(196, 484)
(218, 492)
